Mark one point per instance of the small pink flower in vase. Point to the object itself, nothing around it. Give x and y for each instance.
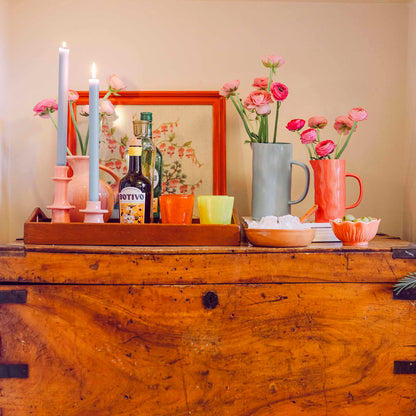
(273, 61)
(45, 108)
(115, 84)
(295, 125)
(106, 108)
(325, 148)
(261, 83)
(72, 95)
(345, 126)
(279, 91)
(229, 88)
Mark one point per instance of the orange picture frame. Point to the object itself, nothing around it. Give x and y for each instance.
(211, 98)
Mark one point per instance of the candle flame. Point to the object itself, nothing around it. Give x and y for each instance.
(93, 70)
(64, 44)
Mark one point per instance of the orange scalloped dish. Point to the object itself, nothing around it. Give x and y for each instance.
(355, 233)
(279, 238)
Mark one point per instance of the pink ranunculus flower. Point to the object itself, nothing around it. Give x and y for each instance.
(116, 83)
(85, 110)
(258, 100)
(358, 114)
(229, 87)
(72, 95)
(261, 83)
(343, 124)
(263, 110)
(106, 107)
(296, 124)
(325, 148)
(279, 91)
(44, 107)
(308, 136)
(317, 122)
(273, 61)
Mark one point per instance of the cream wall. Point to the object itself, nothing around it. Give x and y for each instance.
(338, 56)
(409, 231)
(4, 224)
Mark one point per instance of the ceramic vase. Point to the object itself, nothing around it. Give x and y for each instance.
(79, 185)
(272, 179)
(329, 182)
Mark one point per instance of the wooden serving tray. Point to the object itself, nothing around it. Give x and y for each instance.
(38, 229)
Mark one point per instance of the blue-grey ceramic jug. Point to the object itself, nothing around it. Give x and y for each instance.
(272, 179)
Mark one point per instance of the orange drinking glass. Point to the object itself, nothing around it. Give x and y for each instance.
(176, 209)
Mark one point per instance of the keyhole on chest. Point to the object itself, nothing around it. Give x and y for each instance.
(210, 300)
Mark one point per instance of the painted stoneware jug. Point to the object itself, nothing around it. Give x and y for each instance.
(272, 179)
(329, 181)
(78, 188)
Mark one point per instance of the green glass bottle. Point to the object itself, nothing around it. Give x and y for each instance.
(135, 190)
(156, 165)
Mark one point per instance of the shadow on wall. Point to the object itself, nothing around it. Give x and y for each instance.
(4, 220)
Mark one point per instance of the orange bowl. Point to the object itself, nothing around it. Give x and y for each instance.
(355, 233)
(279, 238)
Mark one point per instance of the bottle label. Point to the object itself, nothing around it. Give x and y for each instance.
(155, 204)
(132, 206)
(135, 151)
(155, 179)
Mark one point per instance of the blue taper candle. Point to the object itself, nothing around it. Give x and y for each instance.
(94, 130)
(62, 106)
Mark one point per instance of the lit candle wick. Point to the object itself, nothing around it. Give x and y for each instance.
(64, 44)
(93, 70)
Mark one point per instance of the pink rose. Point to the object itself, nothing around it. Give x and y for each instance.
(85, 110)
(343, 124)
(295, 124)
(261, 83)
(273, 61)
(116, 83)
(279, 91)
(229, 87)
(357, 114)
(72, 95)
(106, 107)
(325, 148)
(317, 122)
(44, 107)
(258, 100)
(308, 136)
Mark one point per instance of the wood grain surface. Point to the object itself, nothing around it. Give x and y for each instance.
(313, 349)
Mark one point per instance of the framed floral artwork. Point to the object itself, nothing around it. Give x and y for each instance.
(188, 129)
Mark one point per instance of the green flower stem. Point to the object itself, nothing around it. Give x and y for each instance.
(275, 120)
(76, 129)
(53, 121)
(68, 151)
(317, 131)
(87, 138)
(339, 141)
(346, 141)
(243, 110)
(309, 151)
(107, 94)
(314, 150)
(242, 117)
(270, 78)
(266, 129)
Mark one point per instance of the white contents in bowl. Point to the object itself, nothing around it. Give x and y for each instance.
(286, 222)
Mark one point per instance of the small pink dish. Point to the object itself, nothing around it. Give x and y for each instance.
(355, 233)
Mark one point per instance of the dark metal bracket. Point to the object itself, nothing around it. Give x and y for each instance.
(404, 367)
(407, 252)
(13, 296)
(406, 294)
(14, 371)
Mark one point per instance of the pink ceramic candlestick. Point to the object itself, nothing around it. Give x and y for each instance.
(60, 206)
(93, 212)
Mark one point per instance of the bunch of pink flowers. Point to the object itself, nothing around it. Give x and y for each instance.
(46, 107)
(256, 107)
(344, 126)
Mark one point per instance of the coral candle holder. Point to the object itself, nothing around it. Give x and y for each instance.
(60, 206)
(93, 212)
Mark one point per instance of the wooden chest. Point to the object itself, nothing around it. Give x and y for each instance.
(238, 331)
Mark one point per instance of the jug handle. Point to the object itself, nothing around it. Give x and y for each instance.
(115, 185)
(360, 183)
(307, 174)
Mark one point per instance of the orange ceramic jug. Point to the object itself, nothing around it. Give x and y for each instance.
(78, 188)
(329, 180)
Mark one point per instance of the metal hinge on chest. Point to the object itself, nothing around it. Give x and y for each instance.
(406, 252)
(13, 296)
